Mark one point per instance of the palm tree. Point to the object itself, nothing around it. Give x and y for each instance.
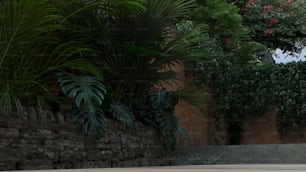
(31, 51)
(49, 42)
(134, 53)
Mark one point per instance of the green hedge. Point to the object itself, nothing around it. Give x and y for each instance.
(249, 89)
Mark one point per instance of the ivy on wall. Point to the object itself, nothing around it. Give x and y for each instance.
(240, 90)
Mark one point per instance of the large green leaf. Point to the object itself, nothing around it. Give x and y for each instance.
(163, 104)
(89, 93)
(85, 89)
(122, 113)
(90, 119)
(163, 100)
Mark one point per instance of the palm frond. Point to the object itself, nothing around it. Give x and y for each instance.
(196, 97)
(23, 24)
(155, 23)
(121, 8)
(81, 64)
(30, 50)
(194, 46)
(9, 100)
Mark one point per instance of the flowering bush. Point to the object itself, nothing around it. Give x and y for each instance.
(275, 23)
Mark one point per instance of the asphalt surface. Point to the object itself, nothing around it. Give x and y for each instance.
(196, 168)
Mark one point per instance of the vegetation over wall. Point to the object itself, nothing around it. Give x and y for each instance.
(104, 57)
(113, 58)
(250, 89)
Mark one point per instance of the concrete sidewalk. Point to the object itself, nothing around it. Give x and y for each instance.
(196, 168)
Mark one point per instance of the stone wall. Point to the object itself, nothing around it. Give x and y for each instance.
(43, 140)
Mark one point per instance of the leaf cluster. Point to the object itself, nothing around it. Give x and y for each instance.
(249, 90)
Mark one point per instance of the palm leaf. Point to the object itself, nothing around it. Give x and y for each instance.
(24, 23)
(194, 46)
(82, 64)
(30, 50)
(9, 100)
(122, 7)
(154, 23)
(195, 97)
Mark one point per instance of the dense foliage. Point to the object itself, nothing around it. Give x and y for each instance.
(114, 58)
(225, 25)
(237, 84)
(111, 57)
(250, 89)
(275, 23)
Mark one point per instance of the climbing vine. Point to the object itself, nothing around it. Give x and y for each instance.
(240, 90)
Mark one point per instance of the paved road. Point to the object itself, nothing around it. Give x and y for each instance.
(196, 168)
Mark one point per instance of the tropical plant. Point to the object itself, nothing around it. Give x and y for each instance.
(163, 104)
(275, 23)
(132, 42)
(225, 26)
(122, 113)
(30, 52)
(89, 93)
(136, 52)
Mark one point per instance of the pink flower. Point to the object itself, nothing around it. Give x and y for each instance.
(286, 4)
(269, 32)
(228, 40)
(267, 8)
(250, 1)
(231, 55)
(272, 22)
(242, 10)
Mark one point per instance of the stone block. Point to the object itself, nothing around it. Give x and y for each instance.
(93, 155)
(7, 166)
(114, 138)
(60, 117)
(4, 143)
(106, 154)
(9, 155)
(36, 164)
(123, 155)
(45, 134)
(17, 124)
(9, 132)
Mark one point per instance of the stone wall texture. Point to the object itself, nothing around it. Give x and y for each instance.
(43, 140)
